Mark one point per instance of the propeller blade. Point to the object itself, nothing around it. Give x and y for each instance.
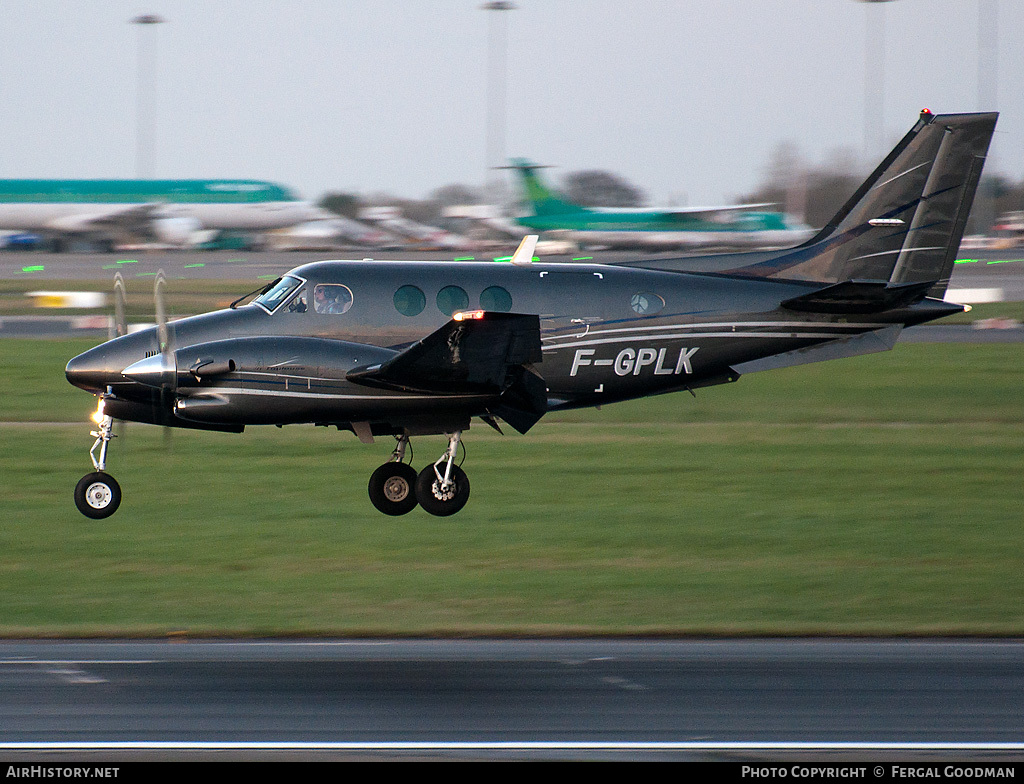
(120, 329)
(161, 311)
(165, 335)
(120, 321)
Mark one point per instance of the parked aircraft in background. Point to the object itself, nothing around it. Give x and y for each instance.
(330, 232)
(737, 226)
(173, 212)
(406, 348)
(418, 235)
(486, 226)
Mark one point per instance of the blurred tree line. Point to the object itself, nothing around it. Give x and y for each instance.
(812, 192)
(817, 192)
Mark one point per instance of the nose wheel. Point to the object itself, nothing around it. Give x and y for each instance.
(98, 494)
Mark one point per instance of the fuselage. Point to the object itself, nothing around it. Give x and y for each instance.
(608, 333)
(84, 205)
(661, 230)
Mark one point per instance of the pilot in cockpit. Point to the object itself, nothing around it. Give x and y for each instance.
(331, 298)
(321, 301)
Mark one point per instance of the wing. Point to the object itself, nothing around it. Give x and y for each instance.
(481, 352)
(134, 218)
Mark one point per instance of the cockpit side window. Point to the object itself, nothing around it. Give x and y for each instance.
(278, 293)
(331, 298)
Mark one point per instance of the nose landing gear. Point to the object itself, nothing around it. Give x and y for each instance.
(98, 495)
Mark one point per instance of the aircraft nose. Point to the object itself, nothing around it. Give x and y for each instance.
(99, 367)
(89, 371)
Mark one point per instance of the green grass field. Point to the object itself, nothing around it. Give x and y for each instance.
(183, 296)
(876, 495)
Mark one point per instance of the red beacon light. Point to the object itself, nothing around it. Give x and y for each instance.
(926, 112)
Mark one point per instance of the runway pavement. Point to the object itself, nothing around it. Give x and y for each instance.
(485, 699)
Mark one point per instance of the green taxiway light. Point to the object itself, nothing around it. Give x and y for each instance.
(583, 258)
(966, 261)
(36, 268)
(189, 266)
(503, 258)
(465, 258)
(1006, 261)
(145, 274)
(265, 277)
(128, 261)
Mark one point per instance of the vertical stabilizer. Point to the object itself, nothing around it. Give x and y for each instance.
(905, 223)
(542, 200)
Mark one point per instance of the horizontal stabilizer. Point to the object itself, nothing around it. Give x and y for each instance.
(853, 346)
(475, 353)
(860, 296)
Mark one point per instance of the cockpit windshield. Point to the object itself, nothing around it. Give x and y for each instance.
(278, 293)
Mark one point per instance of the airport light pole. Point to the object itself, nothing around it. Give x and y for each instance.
(874, 82)
(145, 98)
(497, 46)
(988, 101)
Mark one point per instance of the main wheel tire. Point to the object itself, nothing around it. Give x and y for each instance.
(97, 495)
(393, 488)
(442, 502)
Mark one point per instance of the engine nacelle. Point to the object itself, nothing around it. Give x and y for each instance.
(176, 231)
(265, 380)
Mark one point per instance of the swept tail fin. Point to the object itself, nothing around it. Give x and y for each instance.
(905, 223)
(542, 200)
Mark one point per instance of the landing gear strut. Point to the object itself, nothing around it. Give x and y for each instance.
(98, 495)
(442, 488)
(392, 486)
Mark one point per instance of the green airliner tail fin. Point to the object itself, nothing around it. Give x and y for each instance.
(541, 198)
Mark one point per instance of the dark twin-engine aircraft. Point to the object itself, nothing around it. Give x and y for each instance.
(420, 348)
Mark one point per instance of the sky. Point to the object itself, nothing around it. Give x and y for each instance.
(685, 99)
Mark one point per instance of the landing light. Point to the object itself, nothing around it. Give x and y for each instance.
(97, 415)
(468, 314)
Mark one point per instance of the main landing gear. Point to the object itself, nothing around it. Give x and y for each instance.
(442, 488)
(393, 485)
(98, 495)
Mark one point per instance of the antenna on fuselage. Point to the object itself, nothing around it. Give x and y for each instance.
(524, 253)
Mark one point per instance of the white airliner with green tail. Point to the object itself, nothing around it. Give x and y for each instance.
(167, 211)
(741, 225)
